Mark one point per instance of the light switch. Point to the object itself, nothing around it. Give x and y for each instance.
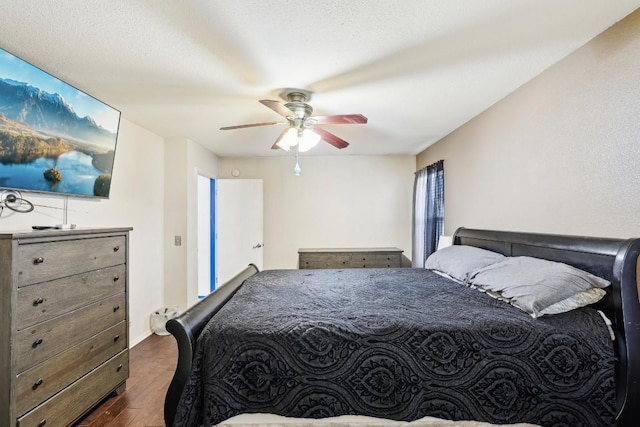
(177, 240)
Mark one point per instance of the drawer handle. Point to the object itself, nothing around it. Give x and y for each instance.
(119, 367)
(42, 422)
(37, 384)
(116, 338)
(116, 248)
(116, 308)
(116, 278)
(38, 260)
(37, 343)
(38, 302)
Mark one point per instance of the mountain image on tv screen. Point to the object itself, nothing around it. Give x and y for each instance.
(53, 137)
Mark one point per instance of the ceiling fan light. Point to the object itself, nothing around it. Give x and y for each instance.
(308, 140)
(290, 139)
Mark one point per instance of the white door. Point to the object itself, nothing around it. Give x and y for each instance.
(239, 235)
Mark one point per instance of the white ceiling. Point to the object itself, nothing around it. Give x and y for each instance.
(417, 69)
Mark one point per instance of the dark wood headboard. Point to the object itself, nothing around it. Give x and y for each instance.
(613, 259)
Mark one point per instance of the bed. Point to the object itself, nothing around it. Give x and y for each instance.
(383, 369)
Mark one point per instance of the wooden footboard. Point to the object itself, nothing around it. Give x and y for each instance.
(187, 327)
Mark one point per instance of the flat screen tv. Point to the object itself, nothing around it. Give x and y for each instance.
(53, 137)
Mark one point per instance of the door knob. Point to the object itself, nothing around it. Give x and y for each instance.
(259, 245)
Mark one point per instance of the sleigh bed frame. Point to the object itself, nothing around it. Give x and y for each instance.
(613, 259)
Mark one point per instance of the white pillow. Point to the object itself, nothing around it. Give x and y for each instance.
(534, 285)
(458, 261)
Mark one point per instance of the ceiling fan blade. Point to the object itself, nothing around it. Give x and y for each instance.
(331, 138)
(251, 125)
(340, 119)
(275, 144)
(277, 106)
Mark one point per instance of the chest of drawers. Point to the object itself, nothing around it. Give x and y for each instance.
(350, 258)
(63, 323)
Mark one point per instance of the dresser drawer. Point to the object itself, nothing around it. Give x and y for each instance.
(44, 380)
(37, 343)
(43, 301)
(324, 261)
(388, 261)
(362, 260)
(68, 405)
(38, 262)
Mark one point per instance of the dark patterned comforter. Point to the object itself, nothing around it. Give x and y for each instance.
(399, 344)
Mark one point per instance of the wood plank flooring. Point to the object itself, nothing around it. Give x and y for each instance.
(151, 366)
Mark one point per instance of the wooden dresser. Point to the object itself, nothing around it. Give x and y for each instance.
(63, 323)
(350, 258)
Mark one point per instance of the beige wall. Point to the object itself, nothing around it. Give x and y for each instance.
(136, 200)
(175, 222)
(560, 154)
(346, 201)
(204, 162)
(184, 160)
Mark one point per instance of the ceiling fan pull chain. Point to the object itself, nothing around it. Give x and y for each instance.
(296, 168)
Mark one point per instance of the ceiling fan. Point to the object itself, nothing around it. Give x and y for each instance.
(302, 127)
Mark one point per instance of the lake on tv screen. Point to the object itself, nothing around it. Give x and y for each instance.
(78, 174)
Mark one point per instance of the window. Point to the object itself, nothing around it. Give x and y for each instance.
(428, 212)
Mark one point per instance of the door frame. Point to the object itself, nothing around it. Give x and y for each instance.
(205, 219)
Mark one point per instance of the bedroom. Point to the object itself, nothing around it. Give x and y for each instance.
(569, 167)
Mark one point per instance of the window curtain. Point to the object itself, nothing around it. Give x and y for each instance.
(428, 212)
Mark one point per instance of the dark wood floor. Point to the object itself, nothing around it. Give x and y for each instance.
(152, 364)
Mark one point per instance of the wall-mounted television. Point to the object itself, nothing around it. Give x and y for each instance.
(54, 138)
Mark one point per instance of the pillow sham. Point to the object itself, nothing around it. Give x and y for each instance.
(534, 284)
(458, 261)
(581, 299)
